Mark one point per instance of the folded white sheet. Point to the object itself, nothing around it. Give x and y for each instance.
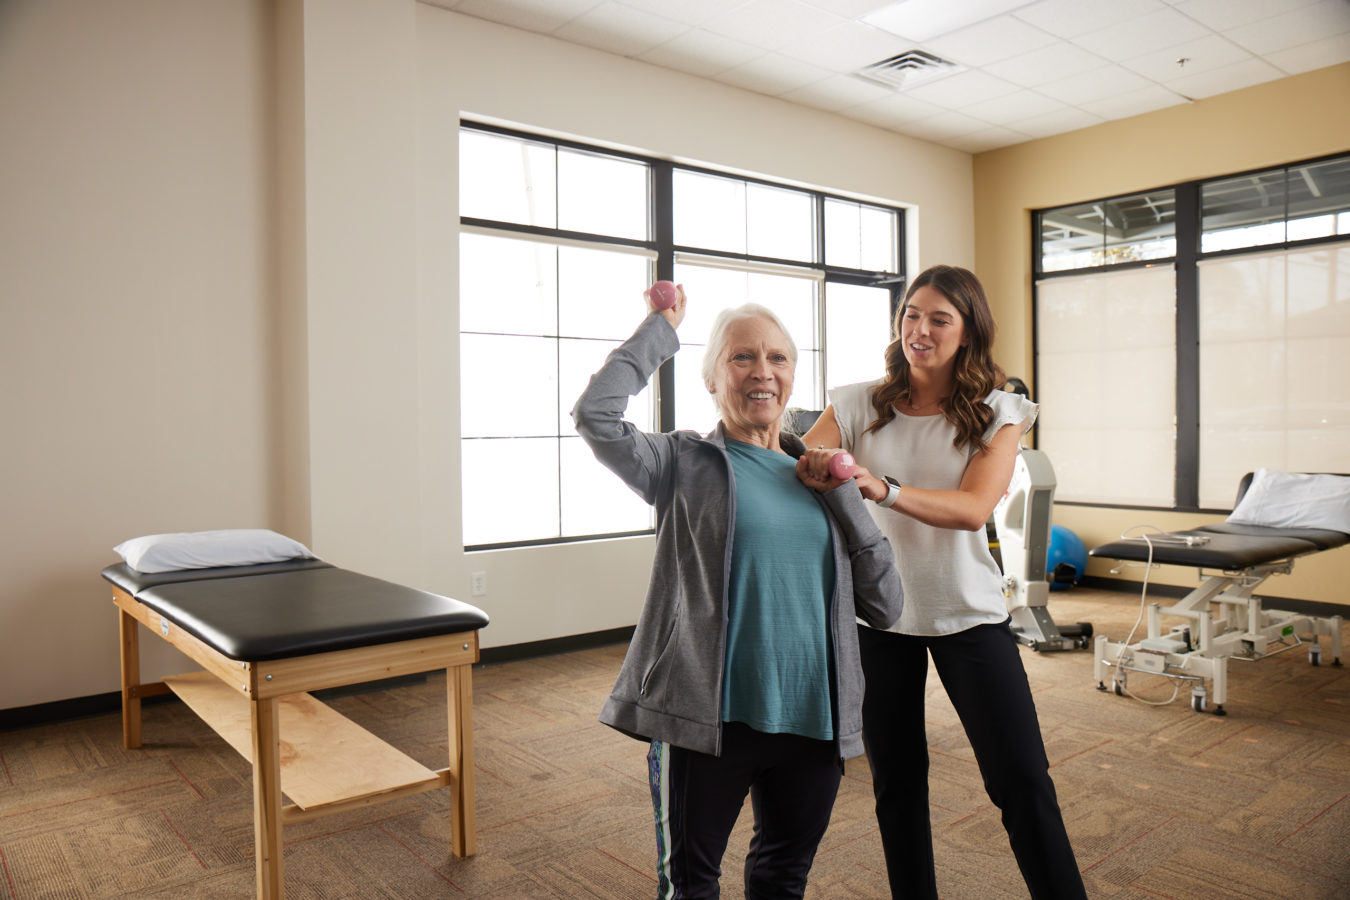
(1295, 500)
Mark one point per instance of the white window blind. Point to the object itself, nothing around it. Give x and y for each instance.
(1274, 366)
(1106, 383)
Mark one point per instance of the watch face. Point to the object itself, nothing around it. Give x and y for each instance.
(890, 480)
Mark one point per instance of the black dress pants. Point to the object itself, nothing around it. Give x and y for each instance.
(792, 782)
(981, 669)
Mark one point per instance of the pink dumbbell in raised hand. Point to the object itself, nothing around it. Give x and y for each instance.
(842, 465)
(664, 295)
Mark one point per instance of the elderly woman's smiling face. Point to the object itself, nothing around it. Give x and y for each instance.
(753, 380)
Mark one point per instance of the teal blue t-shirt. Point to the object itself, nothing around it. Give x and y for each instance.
(782, 577)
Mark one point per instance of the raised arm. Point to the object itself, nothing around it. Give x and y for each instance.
(635, 456)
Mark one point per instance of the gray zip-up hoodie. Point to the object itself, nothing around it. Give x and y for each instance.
(670, 685)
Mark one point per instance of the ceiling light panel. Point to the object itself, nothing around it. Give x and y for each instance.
(921, 20)
(988, 42)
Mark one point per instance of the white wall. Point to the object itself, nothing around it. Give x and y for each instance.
(228, 278)
(138, 343)
(484, 71)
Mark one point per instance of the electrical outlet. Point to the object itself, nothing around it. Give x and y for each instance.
(478, 584)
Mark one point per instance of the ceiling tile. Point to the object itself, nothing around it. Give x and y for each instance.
(1058, 60)
(989, 42)
(1070, 18)
(847, 9)
(846, 47)
(1317, 55)
(945, 125)
(701, 52)
(1301, 26)
(690, 12)
(1076, 90)
(1067, 118)
(895, 110)
(837, 92)
(962, 89)
(1202, 55)
(1141, 35)
(1133, 103)
(772, 24)
(620, 29)
(1027, 68)
(774, 74)
(1008, 109)
(1229, 78)
(988, 139)
(531, 15)
(920, 20)
(1222, 15)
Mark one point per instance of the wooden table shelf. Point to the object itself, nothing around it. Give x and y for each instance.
(325, 757)
(297, 745)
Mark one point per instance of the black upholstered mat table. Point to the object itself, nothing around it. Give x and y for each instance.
(265, 636)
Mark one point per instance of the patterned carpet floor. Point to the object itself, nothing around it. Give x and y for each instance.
(1160, 801)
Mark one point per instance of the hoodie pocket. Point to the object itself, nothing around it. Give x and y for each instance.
(661, 657)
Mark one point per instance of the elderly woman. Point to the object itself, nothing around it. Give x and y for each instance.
(743, 672)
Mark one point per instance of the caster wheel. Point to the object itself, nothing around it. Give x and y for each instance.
(1315, 654)
(1118, 687)
(1198, 701)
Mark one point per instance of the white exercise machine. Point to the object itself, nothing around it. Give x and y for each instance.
(1022, 523)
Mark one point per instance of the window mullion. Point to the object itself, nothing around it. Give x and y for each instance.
(1187, 494)
(663, 233)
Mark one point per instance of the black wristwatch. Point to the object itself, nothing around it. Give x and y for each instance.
(893, 488)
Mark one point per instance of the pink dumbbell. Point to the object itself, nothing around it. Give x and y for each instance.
(664, 295)
(842, 465)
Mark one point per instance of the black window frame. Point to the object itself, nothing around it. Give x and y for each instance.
(1188, 218)
(661, 241)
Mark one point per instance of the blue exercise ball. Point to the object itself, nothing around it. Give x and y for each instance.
(1065, 548)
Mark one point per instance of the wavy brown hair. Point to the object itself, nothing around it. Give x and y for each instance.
(976, 373)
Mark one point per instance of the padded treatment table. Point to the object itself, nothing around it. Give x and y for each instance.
(265, 636)
(1223, 618)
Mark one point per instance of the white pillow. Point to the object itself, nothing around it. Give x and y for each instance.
(208, 549)
(1294, 500)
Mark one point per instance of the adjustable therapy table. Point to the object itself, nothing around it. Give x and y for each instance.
(1222, 617)
(265, 635)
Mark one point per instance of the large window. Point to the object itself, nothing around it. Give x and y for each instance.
(1166, 371)
(558, 242)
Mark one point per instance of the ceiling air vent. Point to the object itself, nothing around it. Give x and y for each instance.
(908, 69)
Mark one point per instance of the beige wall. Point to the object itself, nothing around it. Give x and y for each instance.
(1271, 124)
(228, 271)
(140, 350)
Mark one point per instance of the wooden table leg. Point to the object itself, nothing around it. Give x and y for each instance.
(131, 680)
(463, 821)
(267, 798)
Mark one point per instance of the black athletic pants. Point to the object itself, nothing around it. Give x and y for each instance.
(792, 782)
(981, 668)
